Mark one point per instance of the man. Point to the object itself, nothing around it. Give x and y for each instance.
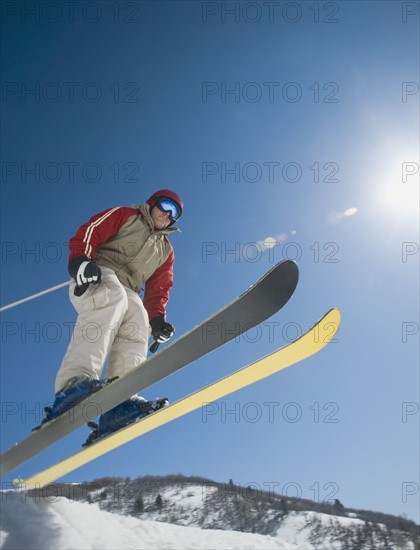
(111, 257)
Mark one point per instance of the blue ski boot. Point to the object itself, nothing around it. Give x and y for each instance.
(75, 390)
(122, 415)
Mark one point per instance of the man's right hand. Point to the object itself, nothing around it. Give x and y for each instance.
(88, 272)
(84, 271)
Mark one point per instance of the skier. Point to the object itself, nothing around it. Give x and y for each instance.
(111, 257)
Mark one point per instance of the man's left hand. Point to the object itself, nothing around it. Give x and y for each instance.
(161, 330)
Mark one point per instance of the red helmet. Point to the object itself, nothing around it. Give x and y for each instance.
(159, 196)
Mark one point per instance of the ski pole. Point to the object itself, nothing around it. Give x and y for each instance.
(154, 346)
(37, 295)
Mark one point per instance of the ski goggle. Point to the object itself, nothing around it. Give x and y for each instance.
(168, 205)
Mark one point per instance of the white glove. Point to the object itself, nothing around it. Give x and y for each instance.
(88, 272)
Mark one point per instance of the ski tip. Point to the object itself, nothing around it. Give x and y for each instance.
(335, 311)
(288, 264)
(332, 320)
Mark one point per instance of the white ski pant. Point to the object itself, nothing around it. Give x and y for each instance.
(112, 323)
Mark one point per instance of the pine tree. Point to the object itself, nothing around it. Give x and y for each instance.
(284, 506)
(159, 502)
(138, 507)
(338, 507)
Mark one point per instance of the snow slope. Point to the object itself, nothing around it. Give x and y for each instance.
(66, 524)
(59, 523)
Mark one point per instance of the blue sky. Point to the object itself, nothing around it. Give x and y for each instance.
(291, 131)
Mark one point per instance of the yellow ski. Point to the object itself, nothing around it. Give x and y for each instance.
(308, 344)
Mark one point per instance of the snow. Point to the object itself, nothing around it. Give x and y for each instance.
(27, 524)
(191, 497)
(58, 523)
(295, 528)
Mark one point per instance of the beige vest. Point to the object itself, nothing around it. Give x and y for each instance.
(137, 250)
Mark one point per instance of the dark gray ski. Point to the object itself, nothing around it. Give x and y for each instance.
(255, 305)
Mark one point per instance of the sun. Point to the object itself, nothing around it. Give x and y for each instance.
(396, 188)
(399, 195)
(391, 174)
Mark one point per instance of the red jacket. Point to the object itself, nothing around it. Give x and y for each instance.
(125, 240)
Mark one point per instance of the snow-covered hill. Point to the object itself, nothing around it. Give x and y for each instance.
(177, 512)
(34, 524)
(73, 525)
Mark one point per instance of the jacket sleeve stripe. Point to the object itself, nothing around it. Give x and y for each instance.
(91, 228)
